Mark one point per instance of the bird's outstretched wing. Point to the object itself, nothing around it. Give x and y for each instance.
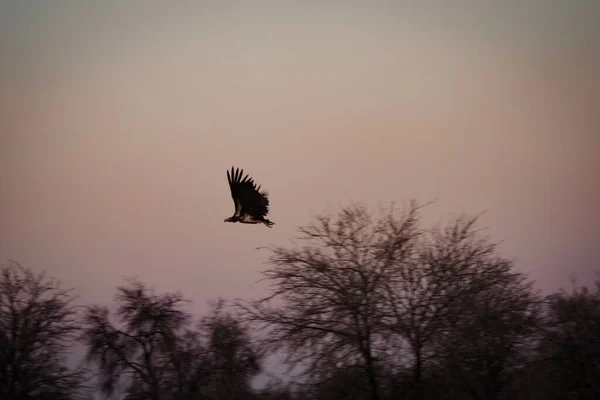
(247, 197)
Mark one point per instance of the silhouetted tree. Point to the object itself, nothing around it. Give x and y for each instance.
(389, 308)
(152, 347)
(147, 342)
(328, 295)
(454, 293)
(38, 323)
(494, 338)
(569, 352)
(231, 357)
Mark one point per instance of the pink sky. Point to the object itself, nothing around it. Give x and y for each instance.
(121, 120)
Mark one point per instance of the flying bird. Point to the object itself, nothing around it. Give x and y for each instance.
(251, 205)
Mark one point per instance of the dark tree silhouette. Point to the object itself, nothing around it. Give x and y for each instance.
(484, 350)
(569, 352)
(367, 307)
(37, 325)
(152, 348)
(379, 307)
(455, 282)
(328, 296)
(231, 358)
(146, 342)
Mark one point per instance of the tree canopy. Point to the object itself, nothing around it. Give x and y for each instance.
(362, 305)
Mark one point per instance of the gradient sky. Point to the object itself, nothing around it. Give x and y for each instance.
(119, 120)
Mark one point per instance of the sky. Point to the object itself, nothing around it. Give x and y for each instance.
(120, 119)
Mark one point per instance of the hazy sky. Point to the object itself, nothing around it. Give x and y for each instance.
(119, 120)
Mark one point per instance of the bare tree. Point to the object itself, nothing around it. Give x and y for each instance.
(449, 274)
(328, 296)
(231, 357)
(378, 295)
(152, 347)
(494, 337)
(38, 324)
(569, 352)
(146, 342)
